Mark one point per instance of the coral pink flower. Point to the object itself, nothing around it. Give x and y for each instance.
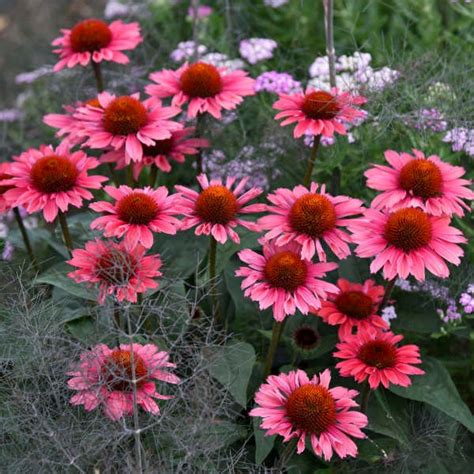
(282, 279)
(205, 87)
(418, 181)
(294, 406)
(374, 354)
(96, 41)
(216, 209)
(175, 148)
(105, 377)
(406, 242)
(355, 306)
(68, 126)
(50, 180)
(319, 112)
(4, 174)
(308, 217)
(117, 269)
(126, 123)
(137, 213)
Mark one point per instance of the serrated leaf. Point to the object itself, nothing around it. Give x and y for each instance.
(232, 366)
(437, 389)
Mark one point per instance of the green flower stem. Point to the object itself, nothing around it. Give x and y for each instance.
(153, 175)
(388, 291)
(364, 397)
(98, 76)
(213, 276)
(26, 239)
(311, 161)
(65, 231)
(277, 331)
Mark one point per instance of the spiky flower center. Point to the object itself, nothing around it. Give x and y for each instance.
(161, 147)
(5, 187)
(125, 115)
(408, 229)
(286, 270)
(379, 354)
(137, 208)
(217, 205)
(116, 267)
(312, 214)
(311, 408)
(54, 174)
(306, 338)
(422, 177)
(201, 80)
(118, 370)
(90, 35)
(94, 102)
(355, 304)
(321, 105)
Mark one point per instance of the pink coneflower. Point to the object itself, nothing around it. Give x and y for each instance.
(175, 148)
(105, 377)
(319, 112)
(294, 406)
(205, 87)
(216, 209)
(94, 40)
(418, 181)
(50, 180)
(308, 217)
(355, 306)
(117, 269)
(4, 174)
(126, 123)
(282, 279)
(68, 126)
(137, 213)
(406, 242)
(374, 354)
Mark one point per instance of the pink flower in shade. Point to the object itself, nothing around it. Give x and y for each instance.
(216, 209)
(117, 269)
(96, 41)
(418, 181)
(206, 88)
(136, 214)
(105, 377)
(308, 217)
(356, 305)
(406, 242)
(175, 148)
(373, 354)
(68, 126)
(319, 112)
(282, 279)
(4, 174)
(126, 123)
(294, 406)
(50, 180)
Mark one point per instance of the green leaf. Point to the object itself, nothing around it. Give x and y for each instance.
(232, 366)
(438, 390)
(263, 444)
(83, 329)
(57, 276)
(353, 269)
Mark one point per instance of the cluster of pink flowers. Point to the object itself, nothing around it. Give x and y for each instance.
(406, 230)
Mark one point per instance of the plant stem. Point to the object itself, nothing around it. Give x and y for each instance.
(129, 176)
(136, 424)
(65, 230)
(199, 127)
(277, 331)
(286, 454)
(388, 291)
(26, 239)
(212, 276)
(195, 22)
(153, 175)
(311, 161)
(98, 76)
(364, 397)
(114, 175)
